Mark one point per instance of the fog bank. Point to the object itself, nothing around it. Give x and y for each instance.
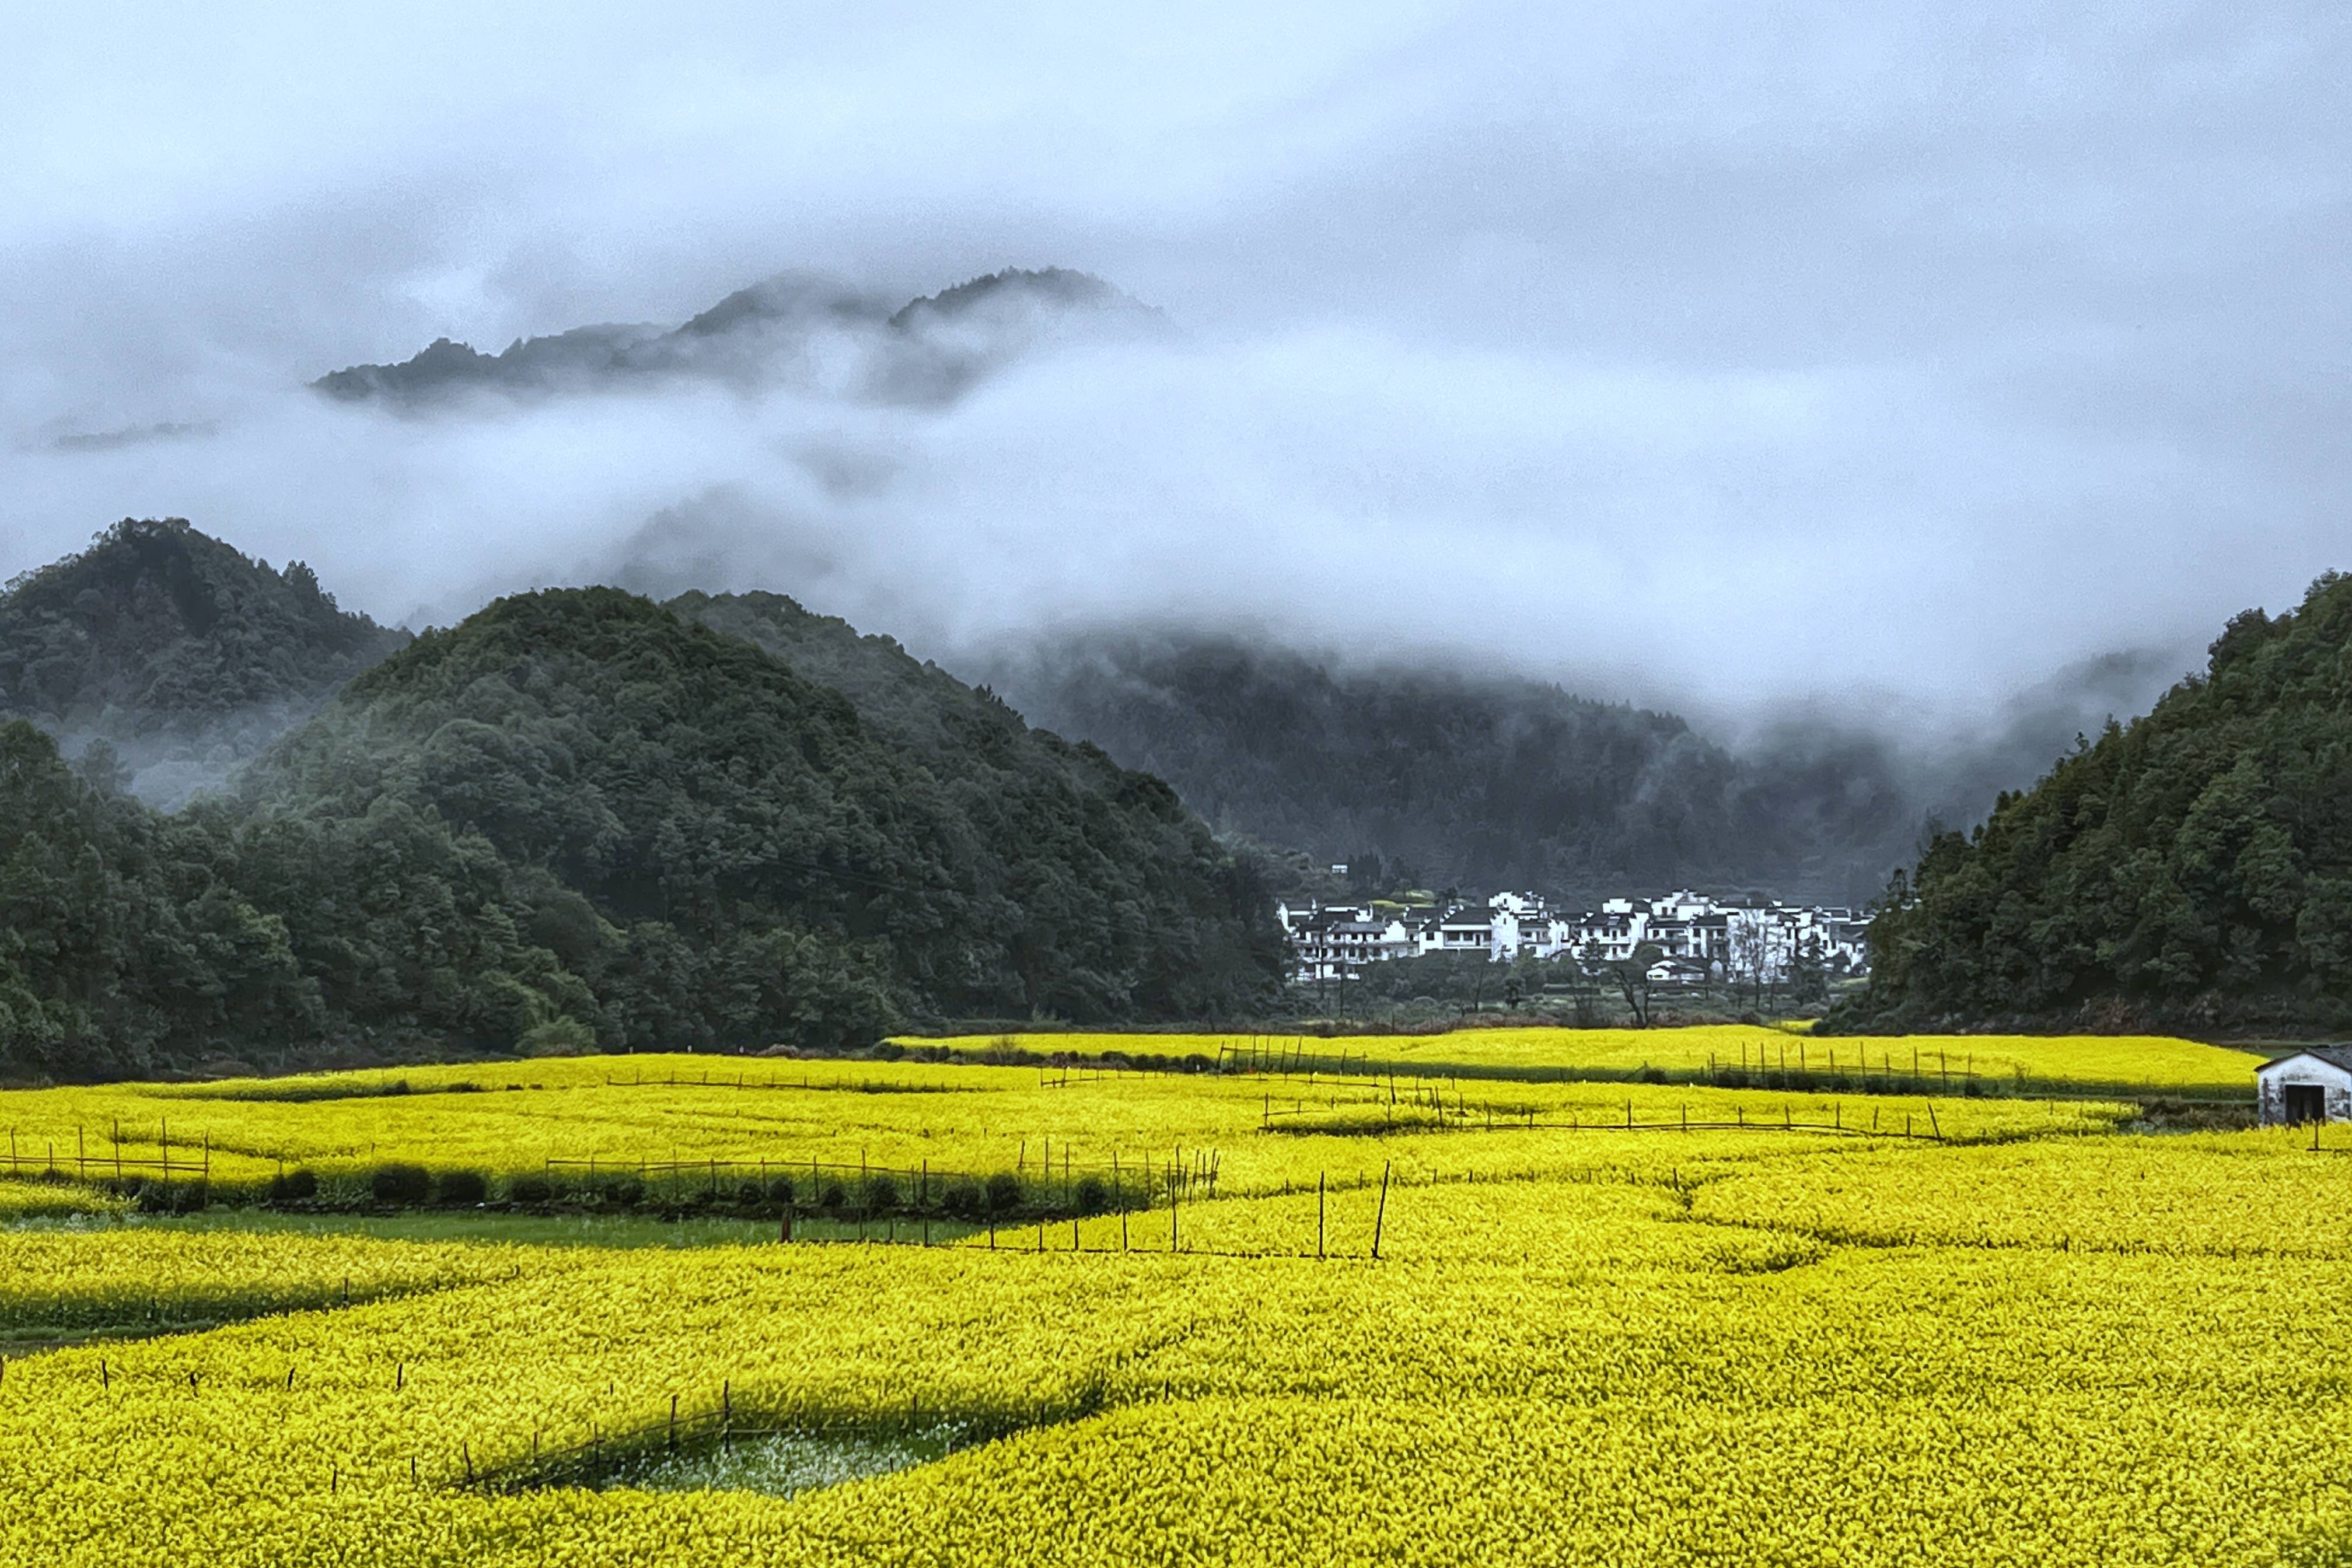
(1879, 367)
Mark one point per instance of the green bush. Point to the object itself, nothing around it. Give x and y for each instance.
(779, 1190)
(400, 1183)
(170, 1198)
(1003, 1192)
(881, 1193)
(529, 1189)
(462, 1190)
(296, 1186)
(964, 1197)
(1092, 1195)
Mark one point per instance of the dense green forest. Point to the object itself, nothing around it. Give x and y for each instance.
(2190, 869)
(1434, 778)
(674, 775)
(173, 652)
(581, 820)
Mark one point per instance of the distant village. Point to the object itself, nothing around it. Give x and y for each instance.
(1689, 937)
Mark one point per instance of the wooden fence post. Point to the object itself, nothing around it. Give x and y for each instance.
(1379, 1216)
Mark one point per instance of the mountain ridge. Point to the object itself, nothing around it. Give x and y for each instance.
(1437, 778)
(1411, 776)
(793, 327)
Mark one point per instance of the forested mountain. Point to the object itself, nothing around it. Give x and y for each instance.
(576, 818)
(181, 653)
(1447, 779)
(674, 774)
(793, 329)
(2190, 869)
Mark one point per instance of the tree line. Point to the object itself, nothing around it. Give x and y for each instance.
(2190, 869)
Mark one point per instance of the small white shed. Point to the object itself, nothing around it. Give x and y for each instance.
(2313, 1084)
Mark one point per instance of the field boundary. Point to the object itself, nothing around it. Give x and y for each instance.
(1890, 1078)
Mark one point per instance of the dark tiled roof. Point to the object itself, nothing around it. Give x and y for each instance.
(2333, 1055)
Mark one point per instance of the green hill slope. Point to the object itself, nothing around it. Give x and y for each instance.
(677, 775)
(1097, 870)
(1433, 777)
(2193, 869)
(179, 651)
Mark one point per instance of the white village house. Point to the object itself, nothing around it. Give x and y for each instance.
(2313, 1084)
(1696, 936)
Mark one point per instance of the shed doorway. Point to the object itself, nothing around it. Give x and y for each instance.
(2305, 1103)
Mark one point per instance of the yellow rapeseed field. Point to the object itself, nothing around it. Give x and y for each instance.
(2030, 1336)
(54, 1199)
(1942, 1062)
(756, 1119)
(129, 1277)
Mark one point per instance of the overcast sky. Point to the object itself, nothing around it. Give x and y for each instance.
(1707, 354)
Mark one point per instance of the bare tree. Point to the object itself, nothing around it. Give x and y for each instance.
(1631, 975)
(1751, 957)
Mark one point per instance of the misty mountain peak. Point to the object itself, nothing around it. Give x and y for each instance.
(796, 329)
(1053, 287)
(443, 368)
(172, 646)
(799, 298)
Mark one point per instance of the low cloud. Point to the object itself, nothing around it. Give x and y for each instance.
(1874, 375)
